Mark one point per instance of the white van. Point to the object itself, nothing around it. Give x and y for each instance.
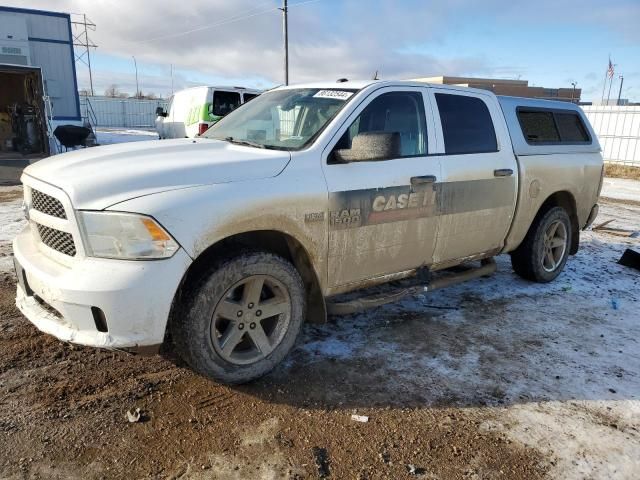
(193, 110)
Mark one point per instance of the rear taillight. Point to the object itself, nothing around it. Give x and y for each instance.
(202, 127)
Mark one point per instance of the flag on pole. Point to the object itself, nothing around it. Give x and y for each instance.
(610, 70)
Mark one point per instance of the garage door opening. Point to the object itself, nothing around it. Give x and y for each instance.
(23, 124)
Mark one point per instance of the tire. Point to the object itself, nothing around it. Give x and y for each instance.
(541, 258)
(220, 328)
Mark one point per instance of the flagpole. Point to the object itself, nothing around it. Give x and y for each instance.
(609, 94)
(604, 85)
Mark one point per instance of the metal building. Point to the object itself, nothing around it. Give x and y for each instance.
(43, 39)
(37, 60)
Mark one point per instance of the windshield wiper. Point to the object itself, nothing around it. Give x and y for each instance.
(248, 143)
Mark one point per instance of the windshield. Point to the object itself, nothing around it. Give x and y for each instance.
(281, 119)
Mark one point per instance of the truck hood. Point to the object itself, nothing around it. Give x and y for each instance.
(96, 178)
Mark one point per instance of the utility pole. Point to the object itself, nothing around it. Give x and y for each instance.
(620, 91)
(81, 39)
(135, 64)
(172, 79)
(285, 33)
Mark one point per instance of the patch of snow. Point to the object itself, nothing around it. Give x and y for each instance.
(108, 136)
(12, 221)
(584, 439)
(621, 189)
(557, 363)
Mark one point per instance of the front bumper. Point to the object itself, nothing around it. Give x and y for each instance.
(135, 296)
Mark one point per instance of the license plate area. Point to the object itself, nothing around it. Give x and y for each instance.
(22, 278)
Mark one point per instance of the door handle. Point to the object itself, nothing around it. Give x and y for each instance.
(503, 172)
(423, 179)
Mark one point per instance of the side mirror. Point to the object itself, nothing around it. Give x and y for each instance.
(370, 146)
(160, 112)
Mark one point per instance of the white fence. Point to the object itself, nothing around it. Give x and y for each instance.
(120, 112)
(618, 129)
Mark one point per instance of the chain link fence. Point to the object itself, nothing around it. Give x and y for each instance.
(618, 129)
(120, 112)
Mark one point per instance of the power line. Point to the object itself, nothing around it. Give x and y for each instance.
(226, 21)
(236, 18)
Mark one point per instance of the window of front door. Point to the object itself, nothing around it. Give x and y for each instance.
(394, 112)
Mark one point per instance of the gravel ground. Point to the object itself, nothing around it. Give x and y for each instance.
(495, 378)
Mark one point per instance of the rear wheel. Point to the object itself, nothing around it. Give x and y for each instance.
(543, 254)
(242, 318)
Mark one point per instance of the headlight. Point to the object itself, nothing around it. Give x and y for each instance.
(125, 235)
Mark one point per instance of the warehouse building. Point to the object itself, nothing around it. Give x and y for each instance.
(514, 88)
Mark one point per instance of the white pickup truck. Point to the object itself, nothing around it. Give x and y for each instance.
(226, 243)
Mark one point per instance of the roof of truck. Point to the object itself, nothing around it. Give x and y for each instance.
(507, 101)
(361, 84)
(508, 105)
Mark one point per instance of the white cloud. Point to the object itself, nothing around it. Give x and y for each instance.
(329, 39)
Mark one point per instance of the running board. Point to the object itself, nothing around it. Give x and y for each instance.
(487, 267)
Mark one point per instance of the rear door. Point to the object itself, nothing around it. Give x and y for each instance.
(478, 189)
(179, 113)
(379, 223)
(224, 102)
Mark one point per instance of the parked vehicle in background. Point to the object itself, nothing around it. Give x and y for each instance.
(232, 240)
(193, 110)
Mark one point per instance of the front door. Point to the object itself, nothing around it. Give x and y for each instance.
(382, 212)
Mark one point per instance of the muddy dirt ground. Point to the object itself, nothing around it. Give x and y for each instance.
(63, 416)
(496, 378)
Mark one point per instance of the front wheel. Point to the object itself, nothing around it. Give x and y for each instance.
(242, 318)
(543, 254)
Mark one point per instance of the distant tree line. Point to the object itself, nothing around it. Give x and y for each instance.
(113, 91)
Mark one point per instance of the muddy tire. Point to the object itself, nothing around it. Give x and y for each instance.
(543, 254)
(241, 318)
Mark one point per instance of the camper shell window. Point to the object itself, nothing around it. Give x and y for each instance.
(541, 126)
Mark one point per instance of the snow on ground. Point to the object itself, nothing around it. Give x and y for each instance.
(558, 365)
(11, 222)
(621, 189)
(108, 136)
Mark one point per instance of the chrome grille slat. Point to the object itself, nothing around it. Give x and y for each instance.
(53, 223)
(47, 204)
(57, 240)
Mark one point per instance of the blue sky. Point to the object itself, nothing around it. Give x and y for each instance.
(549, 43)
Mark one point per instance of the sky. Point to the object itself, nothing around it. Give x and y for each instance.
(551, 43)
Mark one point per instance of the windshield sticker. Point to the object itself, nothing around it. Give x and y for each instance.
(337, 94)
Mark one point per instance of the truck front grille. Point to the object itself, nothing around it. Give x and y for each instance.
(47, 204)
(57, 240)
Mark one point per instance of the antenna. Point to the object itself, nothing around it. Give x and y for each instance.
(375, 76)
